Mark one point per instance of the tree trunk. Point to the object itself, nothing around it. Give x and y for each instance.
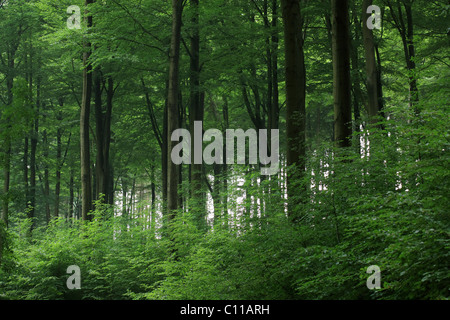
(225, 167)
(34, 141)
(7, 147)
(97, 79)
(164, 151)
(7, 174)
(132, 199)
(71, 194)
(86, 187)
(379, 84)
(161, 137)
(356, 83)
(25, 172)
(413, 91)
(196, 114)
(58, 165)
(275, 109)
(216, 194)
(269, 75)
(172, 108)
(371, 67)
(124, 199)
(153, 207)
(103, 132)
(406, 30)
(29, 78)
(46, 177)
(341, 73)
(295, 101)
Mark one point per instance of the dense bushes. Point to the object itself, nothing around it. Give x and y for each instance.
(388, 208)
(111, 261)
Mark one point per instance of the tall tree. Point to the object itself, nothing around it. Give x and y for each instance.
(34, 142)
(196, 112)
(60, 159)
(405, 27)
(295, 99)
(173, 108)
(86, 187)
(356, 79)
(341, 72)
(46, 182)
(371, 66)
(103, 135)
(274, 106)
(58, 163)
(15, 27)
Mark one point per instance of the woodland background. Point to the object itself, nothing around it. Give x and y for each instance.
(85, 122)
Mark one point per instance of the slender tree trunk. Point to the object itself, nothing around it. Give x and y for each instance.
(2, 236)
(6, 181)
(181, 122)
(58, 165)
(86, 188)
(71, 194)
(161, 137)
(295, 102)
(172, 108)
(131, 210)
(379, 84)
(25, 172)
(46, 182)
(124, 199)
(164, 150)
(153, 207)
(7, 169)
(274, 111)
(29, 79)
(10, 75)
(34, 142)
(413, 91)
(341, 73)
(58, 176)
(46, 177)
(225, 167)
(269, 75)
(356, 83)
(103, 132)
(97, 79)
(196, 114)
(111, 186)
(406, 30)
(216, 194)
(7, 146)
(371, 66)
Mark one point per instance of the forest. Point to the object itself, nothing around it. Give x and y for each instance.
(224, 150)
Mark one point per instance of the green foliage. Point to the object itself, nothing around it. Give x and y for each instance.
(112, 260)
(383, 208)
(382, 202)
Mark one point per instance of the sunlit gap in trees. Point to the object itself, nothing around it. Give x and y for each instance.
(138, 205)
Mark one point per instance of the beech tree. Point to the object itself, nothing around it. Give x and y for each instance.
(295, 96)
(86, 180)
(341, 72)
(401, 12)
(173, 108)
(371, 66)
